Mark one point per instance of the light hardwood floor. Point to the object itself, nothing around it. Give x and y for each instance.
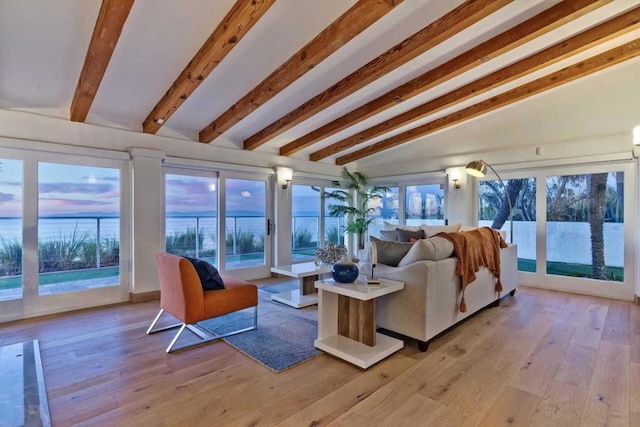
(540, 359)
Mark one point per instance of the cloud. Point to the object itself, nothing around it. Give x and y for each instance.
(74, 202)
(191, 186)
(72, 187)
(4, 197)
(11, 183)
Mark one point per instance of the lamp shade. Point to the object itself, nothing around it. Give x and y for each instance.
(477, 168)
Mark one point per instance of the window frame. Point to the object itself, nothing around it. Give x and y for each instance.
(609, 289)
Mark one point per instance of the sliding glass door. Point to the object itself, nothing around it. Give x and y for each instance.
(247, 225)
(62, 234)
(10, 229)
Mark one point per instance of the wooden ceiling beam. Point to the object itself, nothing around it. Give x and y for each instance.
(536, 26)
(233, 27)
(433, 34)
(597, 35)
(581, 69)
(355, 20)
(111, 18)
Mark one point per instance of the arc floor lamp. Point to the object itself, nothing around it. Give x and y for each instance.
(478, 168)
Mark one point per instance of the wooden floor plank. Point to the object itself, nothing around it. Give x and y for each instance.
(617, 328)
(102, 369)
(591, 325)
(537, 372)
(326, 409)
(634, 397)
(514, 407)
(576, 368)
(608, 397)
(561, 406)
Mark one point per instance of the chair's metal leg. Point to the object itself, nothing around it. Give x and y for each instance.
(164, 328)
(255, 317)
(204, 335)
(149, 331)
(173, 341)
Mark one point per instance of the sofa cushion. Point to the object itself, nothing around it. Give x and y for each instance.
(432, 230)
(390, 226)
(433, 249)
(406, 235)
(209, 275)
(391, 235)
(390, 253)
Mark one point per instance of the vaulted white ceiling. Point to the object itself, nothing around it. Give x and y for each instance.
(43, 45)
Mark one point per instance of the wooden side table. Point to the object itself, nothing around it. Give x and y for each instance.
(347, 321)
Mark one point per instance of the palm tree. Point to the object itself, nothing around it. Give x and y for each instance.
(355, 196)
(597, 198)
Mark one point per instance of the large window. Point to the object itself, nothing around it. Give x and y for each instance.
(191, 216)
(305, 221)
(333, 226)
(585, 217)
(78, 227)
(312, 224)
(10, 229)
(245, 217)
(424, 204)
(385, 210)
(493, 211)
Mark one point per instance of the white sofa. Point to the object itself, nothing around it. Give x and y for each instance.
(430, 301)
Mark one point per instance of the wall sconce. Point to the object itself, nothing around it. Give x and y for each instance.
(455, 183)
(285, 175)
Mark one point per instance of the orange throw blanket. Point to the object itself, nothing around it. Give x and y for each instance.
(474, 249)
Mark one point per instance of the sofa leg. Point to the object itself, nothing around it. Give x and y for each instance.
(512, 293)
(423, 345)
(496, 303)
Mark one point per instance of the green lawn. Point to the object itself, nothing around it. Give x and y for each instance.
(566, 269)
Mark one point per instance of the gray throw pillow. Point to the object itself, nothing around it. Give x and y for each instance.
(389, 235)
(390, 253)
(433, 249)
(404, 235)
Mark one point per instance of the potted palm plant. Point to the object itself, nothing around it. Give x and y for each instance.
(355, 198)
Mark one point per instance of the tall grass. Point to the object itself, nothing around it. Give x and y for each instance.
(244, 242)
(183, 243)
(302, 238)
(65, 253)
(10, 257)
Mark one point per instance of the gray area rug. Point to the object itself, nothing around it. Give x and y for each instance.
(284, 337)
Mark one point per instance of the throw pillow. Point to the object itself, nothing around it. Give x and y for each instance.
(433, 249)
(390, 253)
(209, 275)
(390, 226)
(391, 235)
(432, 230)
(406, 235)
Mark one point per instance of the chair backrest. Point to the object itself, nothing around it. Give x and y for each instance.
(181, 293)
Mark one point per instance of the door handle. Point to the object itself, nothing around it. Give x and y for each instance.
(269, 227)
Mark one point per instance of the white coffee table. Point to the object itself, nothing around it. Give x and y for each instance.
(308, 273)
(347, 321)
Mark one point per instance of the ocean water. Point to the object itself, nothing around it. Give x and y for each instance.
(57, 228)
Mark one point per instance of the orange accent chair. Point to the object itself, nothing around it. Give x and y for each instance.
(182, 296)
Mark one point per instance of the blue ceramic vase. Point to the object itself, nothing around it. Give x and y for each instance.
(344, 271)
